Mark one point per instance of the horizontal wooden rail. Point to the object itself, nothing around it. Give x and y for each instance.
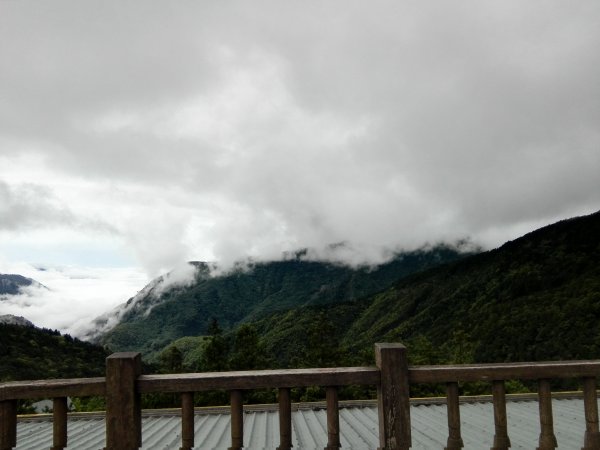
(73, 387)
(260, 379)
(503, 371)
(189, 382)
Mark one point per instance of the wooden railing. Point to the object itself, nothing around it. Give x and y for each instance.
(124, 385)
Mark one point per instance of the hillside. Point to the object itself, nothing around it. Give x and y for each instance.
(534, 298)
(15, 320)
(12, 284)
(30, 353)
(158, 316)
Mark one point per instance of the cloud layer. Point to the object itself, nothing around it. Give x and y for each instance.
(71, 297)
(220, 131)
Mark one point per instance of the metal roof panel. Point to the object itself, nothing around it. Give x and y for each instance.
(358, 425)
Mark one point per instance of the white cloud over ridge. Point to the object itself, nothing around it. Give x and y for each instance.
(228, 131)
(70, 296)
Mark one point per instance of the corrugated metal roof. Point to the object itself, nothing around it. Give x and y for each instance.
(358, 424)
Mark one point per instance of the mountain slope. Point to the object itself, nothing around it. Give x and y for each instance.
(9, 319)
(12, 284)
(159, 316)
(534, 298)
(537, 297)
(30, 353)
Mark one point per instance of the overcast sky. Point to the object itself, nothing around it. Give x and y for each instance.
(135, 135)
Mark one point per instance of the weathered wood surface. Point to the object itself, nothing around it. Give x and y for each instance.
(300, 378)
(547, 438)
(333, 418)
(455, 441)
(123, 402)
(501, 439)
(590, 404)
(503, 371)
(393, 403)
(59, 423)
(285, 419)
(8, 424)
(73, 387)
(187, 421)
(237, 421)
(259, 379)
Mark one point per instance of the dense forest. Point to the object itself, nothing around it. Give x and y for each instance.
(254, 292)
(30, 353)
(535, 298)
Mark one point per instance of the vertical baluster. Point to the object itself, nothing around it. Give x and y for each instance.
(8, 424)
(123, 402)
(592, 436)
(455, 441)
(285, 420)
(393, 397)
(333, 418)
(501, 440)
(237, 421)
(59, 423)
(547, 437)
(187, 420)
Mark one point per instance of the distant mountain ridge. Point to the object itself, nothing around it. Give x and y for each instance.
(13, 284)
(157, 316)
(9, 319)
(141, 304)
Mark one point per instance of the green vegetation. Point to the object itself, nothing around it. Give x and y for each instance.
(29, 353)
(191, 349)
(253, 293)
(535, 298)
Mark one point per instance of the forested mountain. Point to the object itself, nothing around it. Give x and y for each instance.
(11, 319)
(30, 353)
(534, 298)
(158, 316)
(12, 284)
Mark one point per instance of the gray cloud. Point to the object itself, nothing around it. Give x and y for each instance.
(30, 206)
(221, 131)
(26, 207)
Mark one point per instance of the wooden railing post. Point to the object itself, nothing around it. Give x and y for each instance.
(501, 439)
(455, 441)
(285, 419)
(590, 403)
(59, 423)
(333, 418)
(547, 437)
(393, 402)
(187, 421)
(123, 403)
(8, 424)
(237, 421)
